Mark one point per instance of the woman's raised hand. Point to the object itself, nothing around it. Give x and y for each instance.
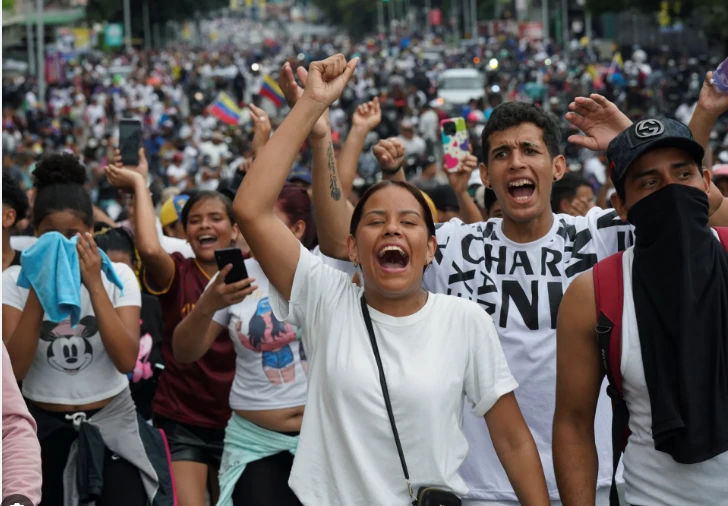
(287, 82)
(389, 153)
(328, 78)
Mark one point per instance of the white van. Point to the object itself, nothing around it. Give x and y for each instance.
(458, 86)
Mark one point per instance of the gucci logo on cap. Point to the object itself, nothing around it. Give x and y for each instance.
(649, 128)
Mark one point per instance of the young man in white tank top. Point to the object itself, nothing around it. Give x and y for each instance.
(674, 339)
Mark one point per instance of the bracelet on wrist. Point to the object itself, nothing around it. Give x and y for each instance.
(391, 172)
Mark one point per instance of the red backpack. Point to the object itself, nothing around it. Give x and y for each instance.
(609, 298)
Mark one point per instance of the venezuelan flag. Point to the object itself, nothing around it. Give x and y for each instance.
(271, 91)
(617, 63)
(225, 109)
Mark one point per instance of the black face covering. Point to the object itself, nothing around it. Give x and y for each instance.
(680, 290)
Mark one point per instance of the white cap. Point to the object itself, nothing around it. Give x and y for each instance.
(475, 178)
(407, 123)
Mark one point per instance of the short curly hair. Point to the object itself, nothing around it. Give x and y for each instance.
(513, 114)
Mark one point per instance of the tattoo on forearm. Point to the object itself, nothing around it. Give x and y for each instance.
(333, 183)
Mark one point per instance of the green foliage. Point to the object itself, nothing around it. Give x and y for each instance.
(160, 11)
(713, 13)
(358, 17)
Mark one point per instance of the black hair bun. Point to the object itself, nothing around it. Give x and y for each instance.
(59, 169)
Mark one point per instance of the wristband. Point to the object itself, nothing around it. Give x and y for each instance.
(391, 172)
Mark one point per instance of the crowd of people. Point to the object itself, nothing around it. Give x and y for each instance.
(390, 306)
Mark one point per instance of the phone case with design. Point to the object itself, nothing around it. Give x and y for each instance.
(720, 76)
(454, 142)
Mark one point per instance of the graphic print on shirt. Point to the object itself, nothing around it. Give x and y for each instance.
(508, 282)
(69, 350)
(272, 338)
(304, 359)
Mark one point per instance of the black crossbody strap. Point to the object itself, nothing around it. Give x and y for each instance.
(385, 392)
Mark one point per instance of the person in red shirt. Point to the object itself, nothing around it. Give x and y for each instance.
(191, 403)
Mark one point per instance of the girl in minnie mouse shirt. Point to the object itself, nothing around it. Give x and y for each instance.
(72, 373)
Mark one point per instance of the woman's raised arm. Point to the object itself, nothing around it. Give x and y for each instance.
(272, 243)
(158, 263)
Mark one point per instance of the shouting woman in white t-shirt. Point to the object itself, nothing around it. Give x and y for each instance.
(433, 348)
(269, 390)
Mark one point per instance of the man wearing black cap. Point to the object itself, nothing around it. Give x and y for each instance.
(668, 367)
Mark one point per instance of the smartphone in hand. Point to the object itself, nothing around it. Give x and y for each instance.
(720, 76)
(232, 256)
(130, 140)
(454, 142)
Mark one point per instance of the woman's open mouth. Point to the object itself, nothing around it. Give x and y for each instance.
(522, 190)
(392, 259)
(207, 241)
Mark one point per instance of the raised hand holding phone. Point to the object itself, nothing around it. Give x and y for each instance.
(130, 140)
(459, 179)
(455, 143)
(234, 258)
(126, 178)
(719, 79)
(712, 100)
(221, 294)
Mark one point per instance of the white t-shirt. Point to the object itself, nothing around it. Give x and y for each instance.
(32, 100)
(430, 126)
(209, 185)
(521, 286)
(651, 476)
(271, 365)
(205, 124)
(347, 454)
(94, 112)
(185, 131)
(214, 151)
(180, 173)
(594, 166)
(415, 146)
(71, 366)
(190, 156)
(340, 265)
